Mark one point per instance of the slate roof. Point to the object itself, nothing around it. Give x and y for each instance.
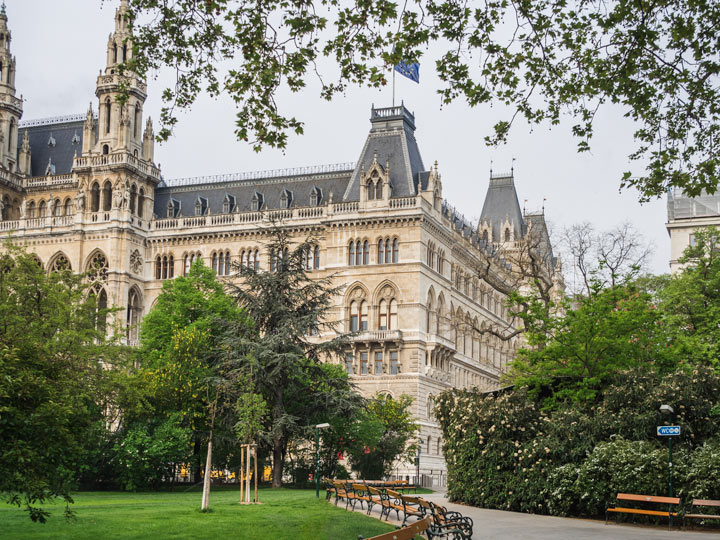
(392, 138)
(545, 246)
(271, 190)
(53, 139)
(501, 202)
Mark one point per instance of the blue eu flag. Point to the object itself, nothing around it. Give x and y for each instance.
(411, 71)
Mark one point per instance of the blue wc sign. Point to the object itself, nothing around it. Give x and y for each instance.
(668, 431)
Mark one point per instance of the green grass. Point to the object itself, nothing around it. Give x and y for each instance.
(284, 514)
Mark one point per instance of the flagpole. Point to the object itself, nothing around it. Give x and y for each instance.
(393, 85)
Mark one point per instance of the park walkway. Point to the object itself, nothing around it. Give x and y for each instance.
(501, 525)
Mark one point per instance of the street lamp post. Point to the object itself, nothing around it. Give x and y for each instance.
(668, 410)
(317, 457)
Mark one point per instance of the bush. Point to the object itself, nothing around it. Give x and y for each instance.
(504, 451)
(146, 454)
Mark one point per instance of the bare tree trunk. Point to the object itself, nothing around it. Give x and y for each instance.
(206, 480)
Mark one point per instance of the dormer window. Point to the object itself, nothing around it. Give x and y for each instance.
(286, 199)
(507, 234)
(256, 203)
(200, 206)
(51, 141)
(228, 204)
(75, 139)
(315, 196)
(173, 208)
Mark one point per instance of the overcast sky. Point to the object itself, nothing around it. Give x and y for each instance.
(60, 47)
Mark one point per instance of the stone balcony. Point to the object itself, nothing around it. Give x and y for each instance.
(125, 159)
(377, 336)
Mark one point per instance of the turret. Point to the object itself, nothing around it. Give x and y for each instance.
(10, 106)
(89, 131)
(119, 126)
(148, 152)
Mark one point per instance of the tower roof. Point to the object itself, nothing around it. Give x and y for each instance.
(501, 203)
(392, 140)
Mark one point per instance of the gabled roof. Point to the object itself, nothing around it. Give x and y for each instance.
(392, 139)
(501, 203)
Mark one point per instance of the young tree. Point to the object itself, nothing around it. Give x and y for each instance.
(392, 423)
(178, 354)
(543, 59)
(53, 388)
(690, 300)
(286, 305)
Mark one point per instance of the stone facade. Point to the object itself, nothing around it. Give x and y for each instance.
(83, 191)
(685, 216)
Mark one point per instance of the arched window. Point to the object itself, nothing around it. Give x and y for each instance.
(60, 264)
(358, 253)
(114, 53)
(395, 250)
(316, 258)
(227, 263)
(94, 198)
(383, 315)
(393, 322)
(42, 209)
(507, 234)
(165, 267)
(134, 312)
(11, 133)
(381, 252)
(429, 327)
(58, 207)
(141, 202)
(363, 315)
(133, 198)
(256, 259)
(315, 197)
(371, 190)
(351, 254)
(388, 254)
(107, 196)
(97, 268)
(485, 236)
(215, 262)
(68, 207)
(125, 49)
(354, 316)
(366, 252)
(158, 267)
(171, 267)
(108, 112)
(137, 121)
(31, 210)
(105, 149)
(378, 189)
(101, 303)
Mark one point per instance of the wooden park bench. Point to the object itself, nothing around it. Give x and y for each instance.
(361, 494)
(702, 503)
(670, 501)
(390, 501)
(340, 493)
(405, 533)
(411, 507)
(446, 524)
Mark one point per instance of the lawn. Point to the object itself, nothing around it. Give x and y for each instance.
(284, 514)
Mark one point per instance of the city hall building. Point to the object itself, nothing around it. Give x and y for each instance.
(83, 192)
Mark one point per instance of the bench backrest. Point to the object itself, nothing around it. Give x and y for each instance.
(647, 498)
(705, 502)
(359, 488)
(407, 499)
(408, 533)
(393, 494)
(373, 491)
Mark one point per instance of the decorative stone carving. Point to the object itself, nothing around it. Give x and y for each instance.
(136, 261)
(80, 200)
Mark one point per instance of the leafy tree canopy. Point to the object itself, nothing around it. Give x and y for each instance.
(53, 389)
(658, 62)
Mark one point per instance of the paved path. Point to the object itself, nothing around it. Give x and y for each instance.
(501, 525)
